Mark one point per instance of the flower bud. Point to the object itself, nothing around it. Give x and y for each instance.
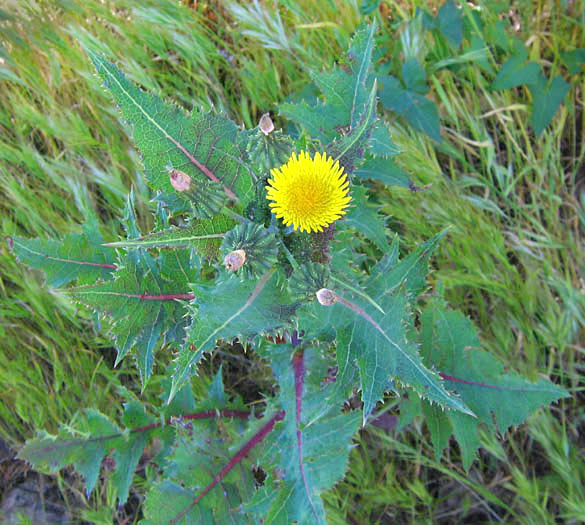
(266, 125)
(326, 297)
(235, 260)
(179, 180)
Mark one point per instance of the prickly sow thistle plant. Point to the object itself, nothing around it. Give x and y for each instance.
(268, 252)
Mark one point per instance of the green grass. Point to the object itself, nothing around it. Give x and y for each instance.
(513, 261)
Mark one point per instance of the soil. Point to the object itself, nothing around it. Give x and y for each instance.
(27, 494)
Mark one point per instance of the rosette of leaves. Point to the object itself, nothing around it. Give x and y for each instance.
(156, 290)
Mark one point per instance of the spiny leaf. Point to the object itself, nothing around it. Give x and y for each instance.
(129, 451)
(349, 148)
(314, 119)
(310, 447)
(439, 426)
(411, 271)
(365, 218)
(203, 145)
(198, 456)
(87, 443)
(79, 256)
(360, 52)
(378, 344)
(345, 93)
(380, 142)
(144, 304)
(205, 235)
(229, 309)
(235, 308)
(371, 327)
(498, 399)
(350, 105)
(163, 500)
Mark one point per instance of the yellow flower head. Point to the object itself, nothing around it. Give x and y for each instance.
(309, 193)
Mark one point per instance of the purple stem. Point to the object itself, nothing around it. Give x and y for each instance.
(209, 414)
(477, 383)
(299, 369)
(256, 438)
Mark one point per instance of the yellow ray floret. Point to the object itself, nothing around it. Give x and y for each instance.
(309, 193)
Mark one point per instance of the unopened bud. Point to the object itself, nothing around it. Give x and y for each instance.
(235, 260)
(326, 297)
(179, 180)
(266, 125)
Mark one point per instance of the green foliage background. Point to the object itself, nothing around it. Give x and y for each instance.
(513, 261)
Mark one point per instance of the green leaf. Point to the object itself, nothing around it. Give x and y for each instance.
(418, 111)
(205, 235)
(438, 423)
(85, 453)
(192, 466)
(129, 449)
(79, 256)
(372, 325)
(85, 444)
(229, 309)
(466, 434)
(428, 21)
(414, 77)
(163, 500)
(365, 218)
(384, 170)
(202, 449)
(451, 22)
(377, 343)
(389, 274)
(498, 399)
(310, 447)
(410, 409)
(546, 100)
(346, 94)
(574, 60)
(380, 142)
(360, 53)
(315, 119)
(513, 73)
(369, 6)
(203, 145)
(233, 308)
(349, 148)
(143, 302)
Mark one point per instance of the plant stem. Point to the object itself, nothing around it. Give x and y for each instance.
(298, 363)
(208, 414)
